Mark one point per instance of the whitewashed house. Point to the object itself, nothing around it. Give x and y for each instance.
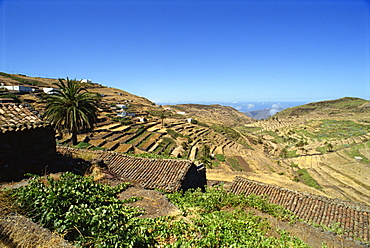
(122, 106)
(121, 114)
(18, 88)
(48, 90)
(86, 81)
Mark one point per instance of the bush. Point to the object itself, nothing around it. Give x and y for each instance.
(83, 211)
(82, 145)
(220, 157)
(89, 214)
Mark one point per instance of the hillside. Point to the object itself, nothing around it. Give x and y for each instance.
(262, 150)
(332, 107)
(111, 95)
(214, 114)
(262, 114)
(319, 148)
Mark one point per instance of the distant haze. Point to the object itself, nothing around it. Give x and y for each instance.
(250, 106)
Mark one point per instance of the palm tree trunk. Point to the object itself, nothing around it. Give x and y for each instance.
(74, 137)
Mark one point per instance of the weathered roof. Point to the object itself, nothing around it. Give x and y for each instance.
(163, 174)
(354, 217)
(15, 117)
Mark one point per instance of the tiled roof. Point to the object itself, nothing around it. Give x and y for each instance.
(354, 217)
(163, 174)
(14, 117)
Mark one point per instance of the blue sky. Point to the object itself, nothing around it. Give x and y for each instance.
(195, 51)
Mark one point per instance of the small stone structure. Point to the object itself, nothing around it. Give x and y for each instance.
(169, 175)
(25, 142)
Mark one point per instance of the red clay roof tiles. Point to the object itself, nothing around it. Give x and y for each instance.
(15, 117)
(354, 217)
(163, 174)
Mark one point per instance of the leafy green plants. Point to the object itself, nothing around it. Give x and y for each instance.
(308, 180)
(220, 157)
(82, 145)
(90, 215)
(354, 152)
(234, 163)
(82, 210)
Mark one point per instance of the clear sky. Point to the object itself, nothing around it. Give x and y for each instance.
(195, 51)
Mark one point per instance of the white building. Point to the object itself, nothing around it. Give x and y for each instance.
(48, 90)
(86, 81)
(18, 88)
(122, 114)
(122, 106)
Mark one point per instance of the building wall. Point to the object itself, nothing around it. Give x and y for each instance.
(26, 151)
(195, 178)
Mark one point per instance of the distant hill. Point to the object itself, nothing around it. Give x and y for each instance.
(263, 113)
(215, 114)
(332, 107)
(111, 95)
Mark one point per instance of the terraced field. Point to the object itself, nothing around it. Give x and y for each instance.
(329, 153)
(321, 152)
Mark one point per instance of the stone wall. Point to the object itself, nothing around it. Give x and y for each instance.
(25, 151)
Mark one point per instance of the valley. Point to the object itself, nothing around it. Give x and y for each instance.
(320, 141)
(320, 148)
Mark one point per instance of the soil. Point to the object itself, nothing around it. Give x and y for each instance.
(154, 202)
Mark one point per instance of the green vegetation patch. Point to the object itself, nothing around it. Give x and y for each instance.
(354, 152)
(220, 157)
(335, 130)
(83, 211)
(153, 155)
(82, 145)
(278, 139)
(234, 163)
(227, 131)
(307, 179)
(174, 135)
(246, 129)
(95, 148)
(88, 214)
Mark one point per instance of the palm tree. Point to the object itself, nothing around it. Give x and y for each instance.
(71, 107)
